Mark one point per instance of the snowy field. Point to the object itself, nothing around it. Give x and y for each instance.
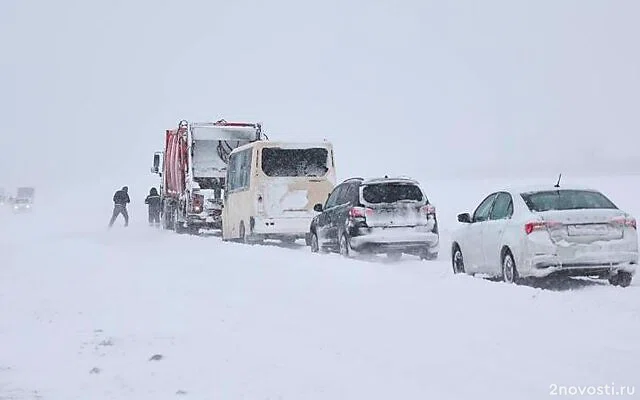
(87, 313)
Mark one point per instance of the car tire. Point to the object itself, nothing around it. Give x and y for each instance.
(509, 270)
(426, 255)
(242, 234)
(457, 261)
(345, 249)
(313, 243)
(307, 239)
(622, 278)
(178, 227)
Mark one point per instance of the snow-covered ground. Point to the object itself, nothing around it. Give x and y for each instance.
(84, 310)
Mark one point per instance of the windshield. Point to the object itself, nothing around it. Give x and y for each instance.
(566, 200)
(278, 162)
(391, 193)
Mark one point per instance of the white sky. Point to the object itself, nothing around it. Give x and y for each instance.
(411, 87)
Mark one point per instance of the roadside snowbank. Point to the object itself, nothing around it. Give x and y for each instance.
(84, 310)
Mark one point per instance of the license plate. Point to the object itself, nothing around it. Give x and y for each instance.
(588, 230)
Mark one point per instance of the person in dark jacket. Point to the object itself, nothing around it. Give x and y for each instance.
(153, 200)
(120, 201)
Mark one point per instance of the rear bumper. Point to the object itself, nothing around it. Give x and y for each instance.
(283, 226)
(543, 257)
(543, 265)
(407, 239)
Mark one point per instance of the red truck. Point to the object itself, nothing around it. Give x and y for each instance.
(193, 168)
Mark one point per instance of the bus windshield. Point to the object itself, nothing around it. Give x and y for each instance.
(279, 162)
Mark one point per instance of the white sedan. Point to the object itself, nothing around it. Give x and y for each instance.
(545, 231)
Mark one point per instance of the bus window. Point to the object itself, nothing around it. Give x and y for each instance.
(279, 162)
(239, 170)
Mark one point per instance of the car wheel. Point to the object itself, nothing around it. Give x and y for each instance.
(242, 233)
(622, 278)
(177, 225)
(426, 255)
(509, 270)
(457, 261)
(315, 247)
(345, 249)
(307, 239)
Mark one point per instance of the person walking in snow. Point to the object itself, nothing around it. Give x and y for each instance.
(120, 200)
(153, 200)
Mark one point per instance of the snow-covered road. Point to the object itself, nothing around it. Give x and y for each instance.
(83, 311)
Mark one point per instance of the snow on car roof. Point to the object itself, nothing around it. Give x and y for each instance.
(542, 188)
(401, 179)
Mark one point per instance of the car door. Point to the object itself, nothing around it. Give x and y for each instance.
(493, 231)
(324, 219)
(340, 211)
(472, 246)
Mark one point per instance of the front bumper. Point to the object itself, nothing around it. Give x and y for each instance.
(406, 239)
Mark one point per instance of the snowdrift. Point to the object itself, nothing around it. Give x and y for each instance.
(139, 313)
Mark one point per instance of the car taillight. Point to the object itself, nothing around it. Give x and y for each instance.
(428, 210)
(360, 212)
(197, 201)
(530, 227)
(625, 221)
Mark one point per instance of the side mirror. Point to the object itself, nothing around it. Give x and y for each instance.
(317, 207)
(464, 218)
(156, 163)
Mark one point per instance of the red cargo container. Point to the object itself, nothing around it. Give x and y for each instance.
(193, 171)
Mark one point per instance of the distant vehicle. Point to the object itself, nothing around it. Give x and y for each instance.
(383, 215)
(272, 188)
(3, 196)
(25, 193)
(24, 199)
(546, 231)
(193, 167)
(21, 205)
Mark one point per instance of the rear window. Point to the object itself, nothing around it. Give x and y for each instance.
(278, 162)
(567, 200)
(391, 193)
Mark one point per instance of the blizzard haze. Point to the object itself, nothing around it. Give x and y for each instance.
(90, 87)
(464, 97)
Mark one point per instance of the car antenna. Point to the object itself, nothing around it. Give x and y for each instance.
(557, 185)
